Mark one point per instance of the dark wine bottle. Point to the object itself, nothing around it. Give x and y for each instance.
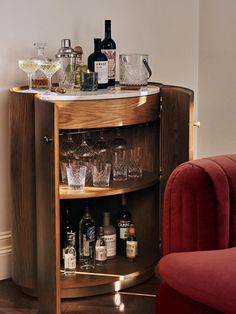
(97, 62)
(109, 49)
(123, 223)
(67, 228)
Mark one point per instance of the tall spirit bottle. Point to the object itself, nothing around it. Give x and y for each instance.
(123, 222)
(109, 236)
(70, 255)
(87, 241)
(101, 251)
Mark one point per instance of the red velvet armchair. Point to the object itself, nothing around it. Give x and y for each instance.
(198, 268)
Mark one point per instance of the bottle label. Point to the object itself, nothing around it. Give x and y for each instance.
(70, 261)
(91, 233)
(124, 229)
(85, 246)
(111, 56)
(131, 249)
(110, 241)
(101, 254)
(101, 67)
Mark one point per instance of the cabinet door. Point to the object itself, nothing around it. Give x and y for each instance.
(176, 142)
(47, 200)
(21, 113)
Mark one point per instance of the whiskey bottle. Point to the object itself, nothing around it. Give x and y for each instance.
(70, 255)
(101, 251)
(131, 244)
(87, 241)
(109, 49)
(123, 223)
(109, 236)
(97, 62)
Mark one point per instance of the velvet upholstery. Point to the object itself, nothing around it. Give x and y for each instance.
(200, 215)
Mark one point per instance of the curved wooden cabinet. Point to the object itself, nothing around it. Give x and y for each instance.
(159, 119)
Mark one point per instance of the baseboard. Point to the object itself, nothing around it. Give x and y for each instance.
(5, 255)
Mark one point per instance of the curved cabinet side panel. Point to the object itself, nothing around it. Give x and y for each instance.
(21, 106)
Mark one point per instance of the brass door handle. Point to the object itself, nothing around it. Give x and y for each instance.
(197, 124)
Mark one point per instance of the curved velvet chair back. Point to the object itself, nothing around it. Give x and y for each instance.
(200, 205)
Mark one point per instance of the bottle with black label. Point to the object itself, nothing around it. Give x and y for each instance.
(123, 222)
(109, 236)
(131, 244)
(97, 62)
(109, 49)
(87, 241)
(101, 251)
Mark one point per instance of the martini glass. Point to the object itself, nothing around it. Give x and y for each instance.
(49, 68)
(29, 67)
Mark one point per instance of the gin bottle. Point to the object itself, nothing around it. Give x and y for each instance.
(87, 241)
(109, 236)
(70, 255)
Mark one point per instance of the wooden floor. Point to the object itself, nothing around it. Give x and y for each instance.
(137, 300)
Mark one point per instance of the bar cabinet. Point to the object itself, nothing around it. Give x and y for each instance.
(158, 118)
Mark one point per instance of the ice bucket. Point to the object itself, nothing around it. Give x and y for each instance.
(134, 70)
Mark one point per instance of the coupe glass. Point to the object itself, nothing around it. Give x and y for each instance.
(29, 67)
(49, 68)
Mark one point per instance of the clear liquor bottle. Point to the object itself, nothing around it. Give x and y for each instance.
(101, 251)
(87, 241)
(109, 236)
(39, 78)
(70, 255)
(123, 223)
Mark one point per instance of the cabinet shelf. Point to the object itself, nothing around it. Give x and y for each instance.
(148, 179)
(117, 272)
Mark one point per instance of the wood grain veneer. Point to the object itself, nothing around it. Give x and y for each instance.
(107, 113)
(22, 160)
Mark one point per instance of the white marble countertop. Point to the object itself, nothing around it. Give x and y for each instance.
(101, 94)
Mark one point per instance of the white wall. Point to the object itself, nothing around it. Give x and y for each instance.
(165, 29)
(217, 77)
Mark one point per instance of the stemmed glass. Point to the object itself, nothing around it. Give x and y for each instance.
(67, 149)
(49, 68)
(101, 149)
(29, 67)
(84, 155)
(119, 143)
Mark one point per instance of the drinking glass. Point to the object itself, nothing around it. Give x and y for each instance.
(29, 67)
(49, 68)
(76, 176)
(119, 143)
(84, 155)
(101, 174)
(67, 149)
(101, 149)
(135, 162)
(119, 165)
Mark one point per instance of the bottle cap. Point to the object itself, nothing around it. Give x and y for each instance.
(66, 51)
(132, 229)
